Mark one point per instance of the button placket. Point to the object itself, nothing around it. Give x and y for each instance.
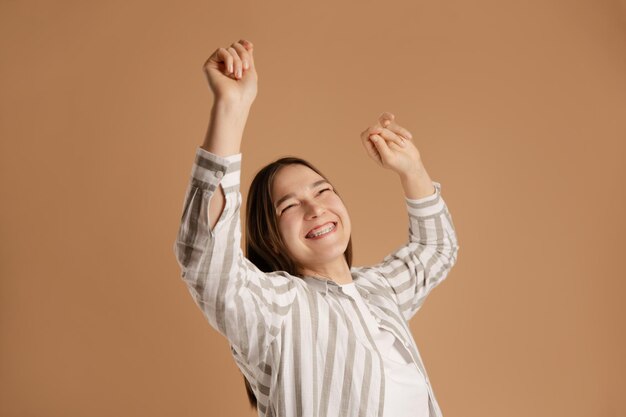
(345, 293)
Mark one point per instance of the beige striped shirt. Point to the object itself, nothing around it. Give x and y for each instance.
(302, 343)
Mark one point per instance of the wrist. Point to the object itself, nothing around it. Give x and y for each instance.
(226, 127)
(232, 105)
(231, 115)
(417, 183)
(416, 171)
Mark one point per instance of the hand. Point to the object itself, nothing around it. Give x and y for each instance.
(390, 145)
(231, 73)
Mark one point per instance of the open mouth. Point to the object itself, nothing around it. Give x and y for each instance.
(323, 231)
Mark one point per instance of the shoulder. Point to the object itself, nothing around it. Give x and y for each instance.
(371, 280)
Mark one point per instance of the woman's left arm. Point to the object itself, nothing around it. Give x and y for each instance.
(417, 267)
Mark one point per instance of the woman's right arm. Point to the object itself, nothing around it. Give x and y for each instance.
(232, 77)
(241, 302)
(223, 139)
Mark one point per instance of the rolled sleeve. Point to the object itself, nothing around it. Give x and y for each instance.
(417, 267)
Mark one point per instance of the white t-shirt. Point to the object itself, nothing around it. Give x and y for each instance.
(406, 393)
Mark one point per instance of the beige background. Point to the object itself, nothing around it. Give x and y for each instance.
(518, 108)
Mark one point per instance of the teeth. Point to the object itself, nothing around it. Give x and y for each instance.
(324, 230)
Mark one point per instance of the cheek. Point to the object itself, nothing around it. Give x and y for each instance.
(340, 207)
(288, 227)
(344, 211)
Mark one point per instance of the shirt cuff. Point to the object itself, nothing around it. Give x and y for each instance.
(211, 169)
(426, 206)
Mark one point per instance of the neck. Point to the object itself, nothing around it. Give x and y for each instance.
(335, 271)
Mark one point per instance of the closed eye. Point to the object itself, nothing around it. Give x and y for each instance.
(291, 205)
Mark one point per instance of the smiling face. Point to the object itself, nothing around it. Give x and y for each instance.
(303, 200)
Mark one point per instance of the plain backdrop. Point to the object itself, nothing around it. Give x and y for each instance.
(518, 109)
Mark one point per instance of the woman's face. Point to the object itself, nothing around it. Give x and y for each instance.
(303, 201)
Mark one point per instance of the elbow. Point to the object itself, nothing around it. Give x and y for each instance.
(449, 256)
(454, 255)
(452, 248)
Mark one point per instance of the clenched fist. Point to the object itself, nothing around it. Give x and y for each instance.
(231, 73)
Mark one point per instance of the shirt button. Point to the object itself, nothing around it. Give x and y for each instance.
(407, 344)
(219, 174)
(378, 319)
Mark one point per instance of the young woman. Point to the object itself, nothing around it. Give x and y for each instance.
(312, 335)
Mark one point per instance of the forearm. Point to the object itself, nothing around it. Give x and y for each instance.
(226, 126)
(417, 183)
(223, 138)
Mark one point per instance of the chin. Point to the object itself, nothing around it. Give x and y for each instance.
(330, 254)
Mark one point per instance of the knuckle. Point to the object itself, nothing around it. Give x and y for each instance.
(243, 53)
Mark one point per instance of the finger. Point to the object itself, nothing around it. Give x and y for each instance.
(250, 48)
(387, 120)
(387, 134)
(394, 146)
(385, 116)
(236, 62)
(381, 147)
(221, 55)
(367, 133)
(243, 55)
(247, 44)
(371, 130)
(369, 145)
(371, 150)
(398, 130)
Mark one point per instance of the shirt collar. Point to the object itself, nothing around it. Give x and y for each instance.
(323, 284)
(320, 284)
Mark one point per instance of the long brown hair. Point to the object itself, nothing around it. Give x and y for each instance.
(264, 246)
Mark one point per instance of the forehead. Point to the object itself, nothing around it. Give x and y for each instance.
(293, 178)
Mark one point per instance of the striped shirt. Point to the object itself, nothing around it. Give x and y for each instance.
(301, 342)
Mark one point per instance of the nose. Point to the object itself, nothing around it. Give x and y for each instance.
(314, 210)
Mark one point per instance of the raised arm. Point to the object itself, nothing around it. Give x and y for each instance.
(424, 262)
(232, 77)
(241, 302)
(417, 267)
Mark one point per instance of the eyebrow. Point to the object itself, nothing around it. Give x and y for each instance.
(315, 184)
